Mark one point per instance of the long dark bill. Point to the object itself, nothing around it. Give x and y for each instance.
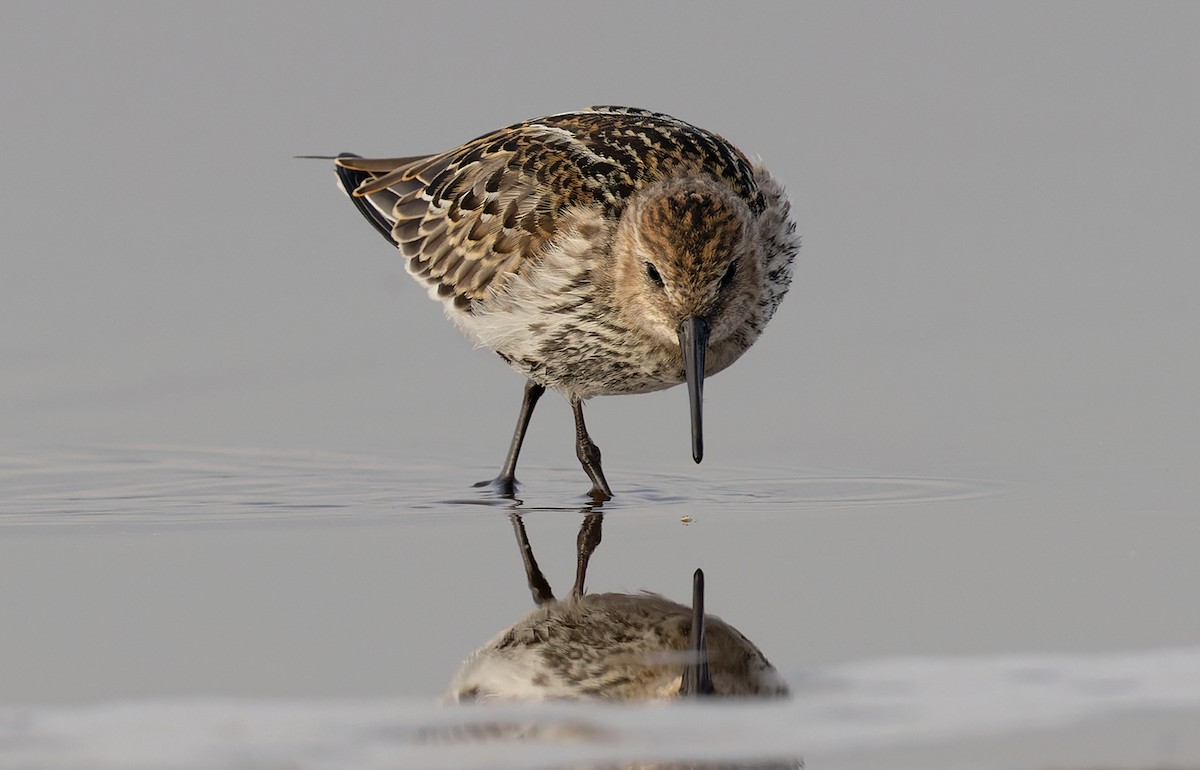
(696, 677)
(693, 342)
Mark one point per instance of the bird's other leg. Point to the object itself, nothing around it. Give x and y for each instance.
(589, 538)
(506, 483)
(589, 454)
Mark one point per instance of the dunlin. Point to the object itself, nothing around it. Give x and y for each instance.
(606, 251)
(613, 646)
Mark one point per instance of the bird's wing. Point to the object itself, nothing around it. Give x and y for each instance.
(469, 218)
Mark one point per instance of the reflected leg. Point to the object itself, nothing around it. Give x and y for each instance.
(589, 538)
(533, 573)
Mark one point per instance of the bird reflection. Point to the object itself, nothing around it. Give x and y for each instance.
(612, 646)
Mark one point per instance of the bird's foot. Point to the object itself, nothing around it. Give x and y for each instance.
(589, 457)
(501, 486)
(600, 490)
(600, 495)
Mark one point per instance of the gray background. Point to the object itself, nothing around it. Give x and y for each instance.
(998, 281)
(998, 208)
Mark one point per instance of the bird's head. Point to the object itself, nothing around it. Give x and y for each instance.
(688, 274)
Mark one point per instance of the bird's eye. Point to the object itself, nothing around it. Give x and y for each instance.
(652, 274)
(729, 274)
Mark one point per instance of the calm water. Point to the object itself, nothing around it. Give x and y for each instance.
(210, 607)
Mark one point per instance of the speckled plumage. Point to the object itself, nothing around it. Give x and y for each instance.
(575, 245)
(611, 646)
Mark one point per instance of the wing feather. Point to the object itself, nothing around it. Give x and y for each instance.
(471, 218)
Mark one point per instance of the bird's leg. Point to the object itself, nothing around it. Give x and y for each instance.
(533, 573)
(589, 538)
(589, 454)
(506, 482)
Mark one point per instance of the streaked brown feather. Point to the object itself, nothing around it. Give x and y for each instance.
(471, 217)
(378, 165)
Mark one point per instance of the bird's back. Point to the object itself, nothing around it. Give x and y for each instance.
(613, 646)
(469, 218)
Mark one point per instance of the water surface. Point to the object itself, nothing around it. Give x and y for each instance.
(152, 584)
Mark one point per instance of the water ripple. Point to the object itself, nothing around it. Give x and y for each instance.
(128, 484)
